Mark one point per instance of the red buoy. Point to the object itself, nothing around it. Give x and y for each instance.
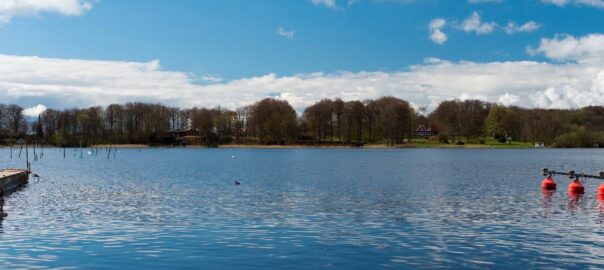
(548, 184)
(601, 191)
(576, 187)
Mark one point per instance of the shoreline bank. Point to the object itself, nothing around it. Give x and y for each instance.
(301, 146)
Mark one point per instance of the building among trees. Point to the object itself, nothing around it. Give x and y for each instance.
(423, 132)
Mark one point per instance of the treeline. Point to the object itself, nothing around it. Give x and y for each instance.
(472, 119)
(387, 120)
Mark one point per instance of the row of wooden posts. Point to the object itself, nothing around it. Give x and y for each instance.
(93, 150)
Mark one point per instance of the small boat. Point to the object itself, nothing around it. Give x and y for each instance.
(12, 179)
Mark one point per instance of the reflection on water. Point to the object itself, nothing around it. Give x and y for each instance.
(318, 209)
(547, 198)
(2, 213)
(575, 201)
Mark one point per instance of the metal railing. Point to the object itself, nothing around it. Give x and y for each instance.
(572, 174)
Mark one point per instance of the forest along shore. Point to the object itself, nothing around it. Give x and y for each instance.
(327, 123)
(423, 144)
(419, 144)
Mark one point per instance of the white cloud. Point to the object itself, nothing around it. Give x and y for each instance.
(61, 83)
(529, 26)
(560, 3)
(13, 8)
(593, 3)
(327, 3)
(556, 2)
(484, 1)
(436, 34)
(475, 24)
(285, 33)
(352, 2)
(508, 99)
(211, 78)
(566, 47)
(34, 111)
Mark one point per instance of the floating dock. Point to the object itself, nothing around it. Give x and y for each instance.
(12, 179)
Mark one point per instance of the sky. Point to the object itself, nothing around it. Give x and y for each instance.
(78, 53)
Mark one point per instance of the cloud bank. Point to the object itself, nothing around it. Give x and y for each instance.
(576, 81)
(565, 47)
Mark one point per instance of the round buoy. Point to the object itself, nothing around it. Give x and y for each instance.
(601, 190)
(548, 183)
(576, 187)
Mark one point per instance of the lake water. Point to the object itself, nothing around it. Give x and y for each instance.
(302, 209)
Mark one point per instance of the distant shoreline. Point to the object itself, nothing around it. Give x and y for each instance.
(300, 146)
(370, 146)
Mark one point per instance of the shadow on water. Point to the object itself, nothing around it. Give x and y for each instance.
(19, 188)
(2, 214)
(2, 200)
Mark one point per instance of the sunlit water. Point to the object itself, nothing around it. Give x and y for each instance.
(302, 209)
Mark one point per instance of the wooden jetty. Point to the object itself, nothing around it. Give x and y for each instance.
(12, 179)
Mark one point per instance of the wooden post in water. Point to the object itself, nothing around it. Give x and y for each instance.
(11, 151)
(81, 150)
(63, 151)
(27, 156)
(109, 151)
(20, 150)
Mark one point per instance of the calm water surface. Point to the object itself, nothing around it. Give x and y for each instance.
(302, 209)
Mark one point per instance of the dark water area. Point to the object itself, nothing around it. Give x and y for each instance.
(302, 209)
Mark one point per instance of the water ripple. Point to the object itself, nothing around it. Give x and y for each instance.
(310, 209)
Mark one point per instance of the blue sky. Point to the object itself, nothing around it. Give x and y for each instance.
(233, 39)
(205, 53)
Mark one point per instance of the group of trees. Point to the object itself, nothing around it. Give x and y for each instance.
(12, 122)
(387, 120)
(474, 119)
(270, 121)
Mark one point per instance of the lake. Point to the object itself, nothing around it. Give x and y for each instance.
(302, 209)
